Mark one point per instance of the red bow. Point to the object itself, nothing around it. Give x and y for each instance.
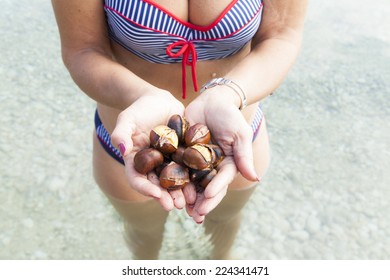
(187, 50)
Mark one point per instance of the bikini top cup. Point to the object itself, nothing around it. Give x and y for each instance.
(156, 35)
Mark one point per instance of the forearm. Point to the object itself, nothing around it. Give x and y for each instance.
(105, 80)
(264, 69)
(274, 49)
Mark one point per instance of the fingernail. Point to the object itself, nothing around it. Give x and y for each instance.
(191, 205)
(122, 148)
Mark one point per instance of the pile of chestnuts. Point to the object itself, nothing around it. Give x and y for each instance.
(180, 153)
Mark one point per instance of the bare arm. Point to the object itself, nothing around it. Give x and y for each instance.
(87, 55)
(274, 49)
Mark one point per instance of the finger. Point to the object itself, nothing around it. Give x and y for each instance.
(243, 155)
(194, 214)
(165, 198)
(189, 193)
(226, 173)
(147, 185)
(206, 205)
(166, 201)
(121, 136)
(178, 198)
(189, 209)
(152, 177)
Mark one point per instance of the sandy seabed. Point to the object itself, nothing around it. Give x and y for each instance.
(326, 195)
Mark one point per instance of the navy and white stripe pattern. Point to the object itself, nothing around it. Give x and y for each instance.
(146, 30)
(257, 120)
(105, 139)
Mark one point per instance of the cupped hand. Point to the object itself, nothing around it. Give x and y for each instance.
(131, 134)
(232, 133)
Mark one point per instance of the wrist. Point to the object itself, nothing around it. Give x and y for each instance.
(220, 95)
(236, 92)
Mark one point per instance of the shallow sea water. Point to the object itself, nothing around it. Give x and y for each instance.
(326, 195)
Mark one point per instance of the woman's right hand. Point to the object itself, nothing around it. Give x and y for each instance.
(131, 134)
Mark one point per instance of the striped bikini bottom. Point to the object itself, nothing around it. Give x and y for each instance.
(105, 139)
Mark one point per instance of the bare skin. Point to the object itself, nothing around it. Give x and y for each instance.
(134, 95)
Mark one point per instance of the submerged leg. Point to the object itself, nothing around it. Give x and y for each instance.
(222, 224)
(143, 217)
(144, 224)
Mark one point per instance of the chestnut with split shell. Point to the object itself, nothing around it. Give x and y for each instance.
(164, 139)
(197, 134)
(198, 156)
(180, 125)
(174, 176)
(218, 154)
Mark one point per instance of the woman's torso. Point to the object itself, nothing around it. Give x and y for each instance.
(199, 15)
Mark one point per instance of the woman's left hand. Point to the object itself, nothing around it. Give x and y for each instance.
(231, 132)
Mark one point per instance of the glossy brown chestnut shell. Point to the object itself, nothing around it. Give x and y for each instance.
(177, 156)
(197, 134)
(218, 154)
(197, 175)
(198, 157)
(174, 176)
(180, 125)
(164, 139)
(147, 159)
(207, 179)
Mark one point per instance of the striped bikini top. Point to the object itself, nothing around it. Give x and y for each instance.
(156, 35)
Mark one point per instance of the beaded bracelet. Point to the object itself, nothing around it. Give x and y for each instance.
(226, 82)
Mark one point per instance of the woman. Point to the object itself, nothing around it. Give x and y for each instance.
(142, 61)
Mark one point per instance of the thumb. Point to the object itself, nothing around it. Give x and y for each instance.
(121, 136)
(243, 157)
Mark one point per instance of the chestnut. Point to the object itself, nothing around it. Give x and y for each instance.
(180, 125)
(207, 179)
(198, 188)
(147, 159)
(159, 168)
(197, 175)
(198, 156)
(174, 176)
(177, 156)
(164, 139)
(218, 154)
(197, 134)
